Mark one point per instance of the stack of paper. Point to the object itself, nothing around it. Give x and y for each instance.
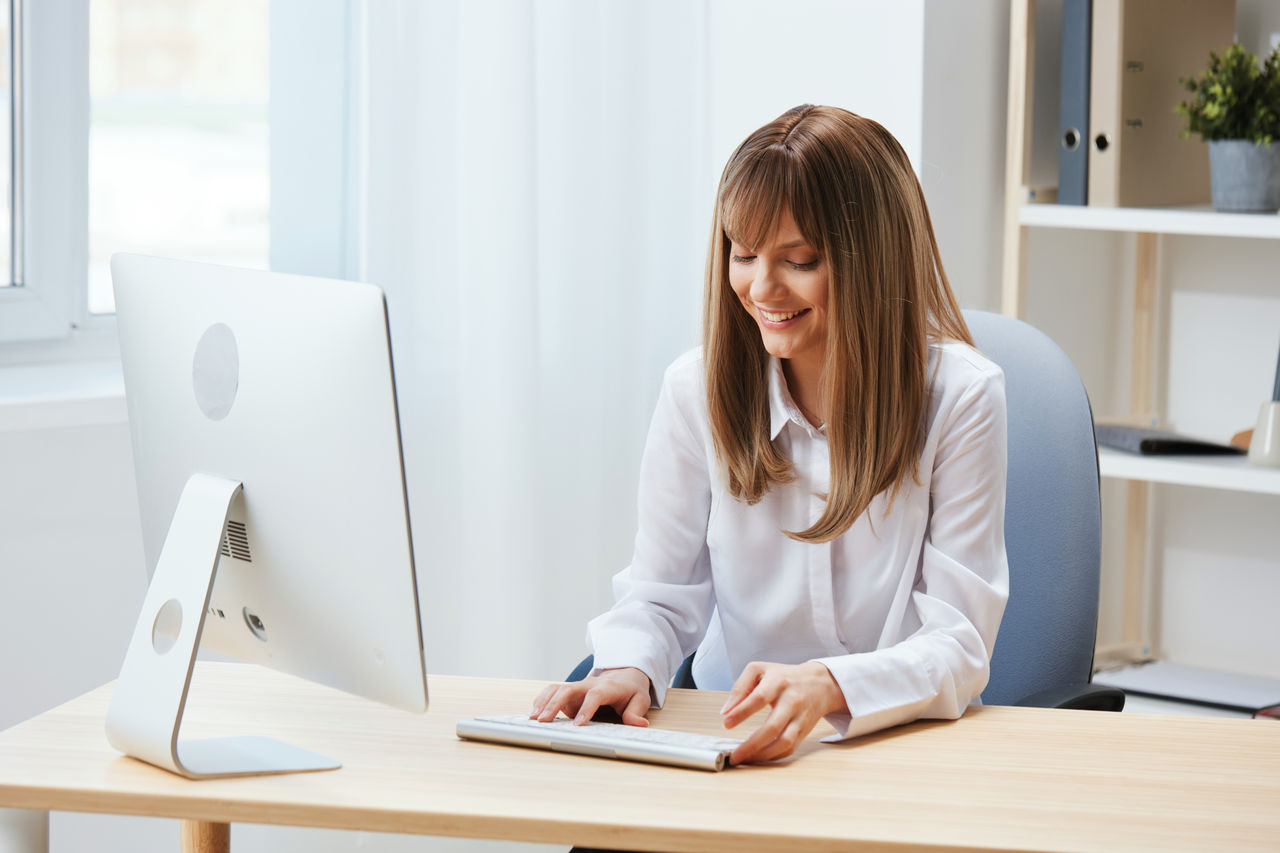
(1192, 684)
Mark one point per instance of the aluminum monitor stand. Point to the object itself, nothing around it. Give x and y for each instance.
(147, 705)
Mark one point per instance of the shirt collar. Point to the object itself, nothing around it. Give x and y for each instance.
(782, 407)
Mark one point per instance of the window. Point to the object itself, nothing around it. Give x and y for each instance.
(215, 130)
(178, 97)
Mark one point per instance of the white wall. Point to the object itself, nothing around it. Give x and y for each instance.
(766, 57)
(71, 563)
(962, 135)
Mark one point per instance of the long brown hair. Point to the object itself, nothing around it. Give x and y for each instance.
(853, 194)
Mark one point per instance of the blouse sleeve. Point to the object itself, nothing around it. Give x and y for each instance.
(961, 588)
(664, 598)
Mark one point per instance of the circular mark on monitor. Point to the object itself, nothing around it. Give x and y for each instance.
(255, 624)
(215, 371)
(164, 631)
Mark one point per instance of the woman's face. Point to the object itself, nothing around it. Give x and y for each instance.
(783, 285)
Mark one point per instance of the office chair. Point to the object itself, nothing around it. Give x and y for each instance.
(1052, 525)
(1044, 651)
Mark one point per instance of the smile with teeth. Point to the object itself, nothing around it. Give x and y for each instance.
(780, 316)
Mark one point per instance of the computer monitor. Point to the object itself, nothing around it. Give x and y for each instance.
(271, 488)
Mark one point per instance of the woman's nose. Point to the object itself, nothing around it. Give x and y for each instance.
(766, 284)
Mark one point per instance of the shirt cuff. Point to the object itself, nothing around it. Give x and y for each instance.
(881, 688)
(622, 648)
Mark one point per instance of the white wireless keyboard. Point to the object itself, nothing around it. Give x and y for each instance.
(604, 740)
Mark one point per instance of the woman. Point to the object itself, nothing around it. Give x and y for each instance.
(822, 490)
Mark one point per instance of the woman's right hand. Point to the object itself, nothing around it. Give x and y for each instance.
(626, 690)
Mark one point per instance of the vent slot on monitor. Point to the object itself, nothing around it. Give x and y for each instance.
(235, 542)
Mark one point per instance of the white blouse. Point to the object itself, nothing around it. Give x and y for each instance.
(902, 608)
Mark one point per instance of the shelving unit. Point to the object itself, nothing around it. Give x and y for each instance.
(1149, 224)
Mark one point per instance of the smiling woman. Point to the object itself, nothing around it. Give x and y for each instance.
(833, 201)
(822, 491)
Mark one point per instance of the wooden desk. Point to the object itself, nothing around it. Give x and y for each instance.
(1000, 778)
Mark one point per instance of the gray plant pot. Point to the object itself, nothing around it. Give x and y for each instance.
(1245, 177)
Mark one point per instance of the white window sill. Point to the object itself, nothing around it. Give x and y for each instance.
(52, 396)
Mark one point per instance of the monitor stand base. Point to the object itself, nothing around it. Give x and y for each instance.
(146, 708)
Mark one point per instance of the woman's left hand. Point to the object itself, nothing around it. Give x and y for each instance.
(800, 695)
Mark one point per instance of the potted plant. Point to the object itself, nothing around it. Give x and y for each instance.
(1235, 107)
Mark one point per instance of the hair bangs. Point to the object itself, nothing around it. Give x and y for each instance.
(752, 202)
(756, 193)
(753, 199)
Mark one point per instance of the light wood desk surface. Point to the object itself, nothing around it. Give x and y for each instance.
(1000, 778)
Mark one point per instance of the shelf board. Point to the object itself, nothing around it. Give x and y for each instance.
(1170, 681)
(1214, 472)
(1201, 220)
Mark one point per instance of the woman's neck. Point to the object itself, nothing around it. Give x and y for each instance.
(804, 381)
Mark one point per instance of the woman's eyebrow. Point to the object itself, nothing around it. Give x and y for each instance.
(795, 244)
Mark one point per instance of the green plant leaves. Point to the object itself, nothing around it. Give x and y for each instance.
(1235, 98)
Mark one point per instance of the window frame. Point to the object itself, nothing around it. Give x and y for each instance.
(47, 318)
(55, 124)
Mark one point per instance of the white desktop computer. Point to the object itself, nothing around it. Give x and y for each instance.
(266, 441)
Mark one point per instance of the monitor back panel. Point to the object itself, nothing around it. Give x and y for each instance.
(285, 384)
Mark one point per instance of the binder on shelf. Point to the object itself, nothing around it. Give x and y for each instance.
(1073, 107)
(1139, 50)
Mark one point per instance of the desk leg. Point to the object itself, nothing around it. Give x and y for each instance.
(199, 836)
(23, 831)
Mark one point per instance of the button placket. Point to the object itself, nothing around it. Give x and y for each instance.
(821, 590)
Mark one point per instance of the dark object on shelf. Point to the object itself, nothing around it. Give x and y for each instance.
(1073, 117)
(1155, 442)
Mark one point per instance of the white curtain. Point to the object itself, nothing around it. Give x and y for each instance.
(537, 202)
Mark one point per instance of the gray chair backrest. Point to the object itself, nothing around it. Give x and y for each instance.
(1052, 516)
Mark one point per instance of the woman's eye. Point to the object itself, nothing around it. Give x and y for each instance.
(808, 266)
(742, 259)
